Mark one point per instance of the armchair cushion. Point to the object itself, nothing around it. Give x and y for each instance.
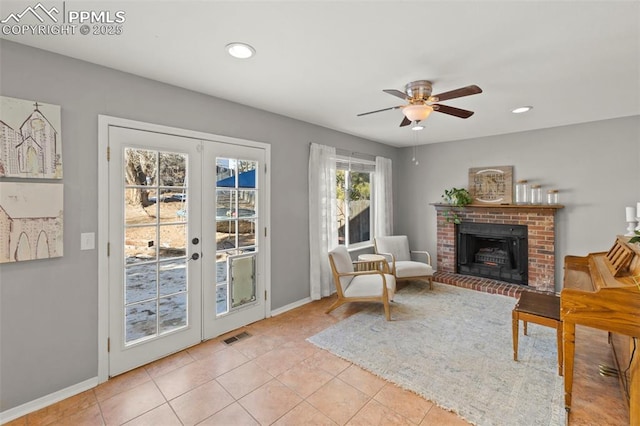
(368, 285)
(406, 269)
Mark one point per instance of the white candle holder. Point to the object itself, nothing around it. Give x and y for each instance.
(631, 226)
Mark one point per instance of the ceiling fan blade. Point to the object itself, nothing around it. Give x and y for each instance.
(458, 93)
(457, 112)
(405, 122)
(397, 93)
(379, 110)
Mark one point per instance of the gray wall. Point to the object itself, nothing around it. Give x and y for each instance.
(596, 167)
(48, 308)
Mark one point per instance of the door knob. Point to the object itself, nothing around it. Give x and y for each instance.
(195, 256)
(195, 241)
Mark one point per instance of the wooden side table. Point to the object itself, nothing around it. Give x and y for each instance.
(538, 308)
(373, 262)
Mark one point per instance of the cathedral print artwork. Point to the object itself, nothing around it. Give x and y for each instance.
(30, 221)
(31, 142)
(31, 212)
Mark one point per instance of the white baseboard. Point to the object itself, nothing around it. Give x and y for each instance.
(290, 306)
(45, 401)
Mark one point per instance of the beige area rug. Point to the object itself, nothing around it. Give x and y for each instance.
(453, 346)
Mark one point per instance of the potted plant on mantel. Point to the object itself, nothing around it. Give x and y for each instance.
(455, 197)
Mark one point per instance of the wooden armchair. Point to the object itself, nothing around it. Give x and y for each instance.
(360, 286)
(403, 267)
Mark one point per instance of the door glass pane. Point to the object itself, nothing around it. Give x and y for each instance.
(173, 277)
(173, 241)
(140, 320)
(225, 173)
(247, 203)
(156, 285)
(137, 214)
(173, 168)
(173, 207)
(246, 233)
(140, 172)
(139, 243)
(140, 283)
(247, 174)
(173, 312)
(225, 203)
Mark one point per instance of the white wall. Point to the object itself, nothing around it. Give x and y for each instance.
(48, 308)
(596, 167)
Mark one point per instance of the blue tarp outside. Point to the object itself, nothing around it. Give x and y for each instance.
(245, 180)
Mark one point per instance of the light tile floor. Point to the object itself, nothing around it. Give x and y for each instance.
(276, 377)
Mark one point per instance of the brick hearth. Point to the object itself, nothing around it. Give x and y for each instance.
(540, 222)
(485, 285)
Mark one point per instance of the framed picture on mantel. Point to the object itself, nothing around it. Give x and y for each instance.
(491, 185)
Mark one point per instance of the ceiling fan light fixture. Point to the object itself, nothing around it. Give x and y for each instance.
(417, 127)
(522, 109)
(417, 112)
(240, 50)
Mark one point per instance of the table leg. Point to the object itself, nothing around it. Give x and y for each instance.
(560, 350)
(569, 341)
(515, 330)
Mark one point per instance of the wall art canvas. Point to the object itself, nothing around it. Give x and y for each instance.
(30, 221)
(30, 139)
(491, 185)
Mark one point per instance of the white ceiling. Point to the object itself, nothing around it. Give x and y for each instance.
(323, 62)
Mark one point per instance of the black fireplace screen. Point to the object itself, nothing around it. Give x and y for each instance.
(492, 251)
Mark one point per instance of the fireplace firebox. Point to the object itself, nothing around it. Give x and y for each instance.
(496, 251)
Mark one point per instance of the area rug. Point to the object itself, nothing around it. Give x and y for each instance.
(453, 346)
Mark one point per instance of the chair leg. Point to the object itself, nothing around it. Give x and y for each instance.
(387, 310)
(336, 304)
(430, 283)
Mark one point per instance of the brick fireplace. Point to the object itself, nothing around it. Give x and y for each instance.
(540, 223)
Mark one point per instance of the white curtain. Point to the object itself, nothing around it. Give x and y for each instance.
(323, 225)
(383, 198)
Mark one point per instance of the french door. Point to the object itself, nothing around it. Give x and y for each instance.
(186, 259)
(235, 233)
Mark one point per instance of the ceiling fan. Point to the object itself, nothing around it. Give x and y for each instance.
(422, 103)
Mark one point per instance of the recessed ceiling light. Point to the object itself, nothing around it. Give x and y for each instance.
(240, 50)
(522, 109)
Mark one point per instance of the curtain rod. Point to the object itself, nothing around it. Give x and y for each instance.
(353, 154)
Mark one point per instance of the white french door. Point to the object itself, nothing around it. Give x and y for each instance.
(187, 252)
(233, 284)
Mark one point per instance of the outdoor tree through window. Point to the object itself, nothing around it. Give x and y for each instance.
(353, 191)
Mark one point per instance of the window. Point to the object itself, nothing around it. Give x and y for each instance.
(354, 207)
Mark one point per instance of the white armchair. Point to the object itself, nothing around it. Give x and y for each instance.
(361, 286)
(403, 267)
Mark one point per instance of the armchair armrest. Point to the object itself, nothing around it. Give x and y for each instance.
(390, 259)
(425, 253)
